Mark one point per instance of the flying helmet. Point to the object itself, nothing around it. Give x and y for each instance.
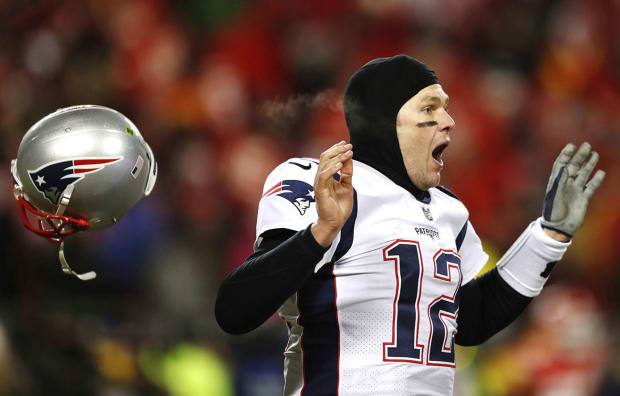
(80, 168)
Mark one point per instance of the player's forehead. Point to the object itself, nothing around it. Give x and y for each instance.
(432, 93)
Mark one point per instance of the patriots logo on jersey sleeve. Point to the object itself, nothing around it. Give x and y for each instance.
(299, 193)
(52, 178)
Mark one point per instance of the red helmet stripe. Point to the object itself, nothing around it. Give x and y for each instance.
(94, 161)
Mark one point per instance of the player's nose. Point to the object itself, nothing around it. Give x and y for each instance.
(447, 122)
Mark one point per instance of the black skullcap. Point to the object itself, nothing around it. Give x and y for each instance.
(373, 96)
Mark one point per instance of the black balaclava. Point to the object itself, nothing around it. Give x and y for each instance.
(373, 96)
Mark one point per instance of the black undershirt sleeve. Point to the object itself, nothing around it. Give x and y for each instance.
(276, 270)
(251, 293)
(488, 304)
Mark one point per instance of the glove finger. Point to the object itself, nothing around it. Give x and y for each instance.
(578, 159)
(594, 183)
(565, 155)
(560, 162)
(584, 173)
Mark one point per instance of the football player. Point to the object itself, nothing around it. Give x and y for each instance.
(80, 168)
(376, 278)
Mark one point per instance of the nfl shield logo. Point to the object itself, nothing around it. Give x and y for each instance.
(427, 213)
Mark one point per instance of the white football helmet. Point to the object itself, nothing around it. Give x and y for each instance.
(80, 168)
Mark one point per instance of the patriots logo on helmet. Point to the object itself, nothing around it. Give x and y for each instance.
(52, 178)
(299, 193)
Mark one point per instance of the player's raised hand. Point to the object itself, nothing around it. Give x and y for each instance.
(568, 190)
(334, 199)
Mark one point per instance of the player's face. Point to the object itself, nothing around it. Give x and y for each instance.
(422, 126)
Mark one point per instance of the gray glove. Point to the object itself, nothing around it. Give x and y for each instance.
(569, 191)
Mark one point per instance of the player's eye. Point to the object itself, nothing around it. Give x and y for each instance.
(427, 110)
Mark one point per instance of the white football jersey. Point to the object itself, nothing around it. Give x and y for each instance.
(378, 317)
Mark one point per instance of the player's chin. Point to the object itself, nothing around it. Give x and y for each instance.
(434, 173)
(434, 178)
(431, 180)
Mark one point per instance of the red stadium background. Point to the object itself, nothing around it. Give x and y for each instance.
(225, 90)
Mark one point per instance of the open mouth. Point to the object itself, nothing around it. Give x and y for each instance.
(438, 151)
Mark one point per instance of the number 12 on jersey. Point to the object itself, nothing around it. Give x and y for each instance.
(406, 345)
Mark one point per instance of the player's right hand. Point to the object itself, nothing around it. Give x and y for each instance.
(334, 199)
(569, 191)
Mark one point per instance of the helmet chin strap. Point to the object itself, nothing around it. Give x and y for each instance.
(62, 206)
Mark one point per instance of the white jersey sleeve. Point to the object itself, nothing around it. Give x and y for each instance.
(472, 254)
(288, 199)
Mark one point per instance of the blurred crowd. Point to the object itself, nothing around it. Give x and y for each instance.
(224, 90)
